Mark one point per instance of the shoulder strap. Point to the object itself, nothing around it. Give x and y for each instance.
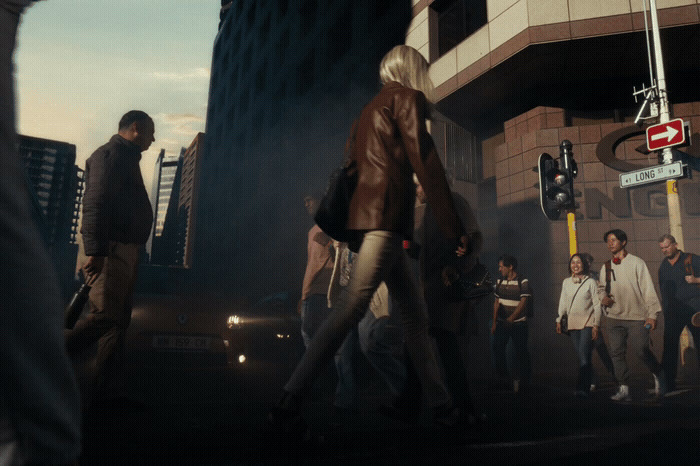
(579, 287)
(608, 272)
(688, 262)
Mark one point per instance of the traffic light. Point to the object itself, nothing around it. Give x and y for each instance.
(557, 181)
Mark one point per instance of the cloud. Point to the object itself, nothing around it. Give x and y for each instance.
(179, 124)
(189, 75)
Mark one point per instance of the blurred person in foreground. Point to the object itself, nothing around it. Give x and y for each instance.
(117, 217)
(39, 402)
(580, 303)
(390, 143)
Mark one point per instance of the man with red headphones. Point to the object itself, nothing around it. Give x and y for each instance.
(631, 307)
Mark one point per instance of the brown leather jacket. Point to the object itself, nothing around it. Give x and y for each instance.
(392, 142)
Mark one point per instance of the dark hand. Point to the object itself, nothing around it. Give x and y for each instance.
(92, 268)
(449, 275)
(462, 247)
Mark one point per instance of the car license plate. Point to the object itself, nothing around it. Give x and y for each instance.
(181, 342)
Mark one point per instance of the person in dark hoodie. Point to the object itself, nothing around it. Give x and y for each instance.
(117, 218)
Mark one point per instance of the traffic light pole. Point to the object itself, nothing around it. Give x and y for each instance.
(673, 200)
(573, 236)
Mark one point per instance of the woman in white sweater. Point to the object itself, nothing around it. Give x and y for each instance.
(580, 303)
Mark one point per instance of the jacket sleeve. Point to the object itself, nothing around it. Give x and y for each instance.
(601, 283)
(95, 222)
(563, 301)
(424, 159)
(597, 306)
(649, 295)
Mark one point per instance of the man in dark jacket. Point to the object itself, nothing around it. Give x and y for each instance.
(680, 299)
(117, 218)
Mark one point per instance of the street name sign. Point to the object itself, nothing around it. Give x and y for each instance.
(665, 135)
(651, 174)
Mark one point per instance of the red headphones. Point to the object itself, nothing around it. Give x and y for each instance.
(616, 260)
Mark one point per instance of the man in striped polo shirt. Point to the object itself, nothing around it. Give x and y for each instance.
(511, 309)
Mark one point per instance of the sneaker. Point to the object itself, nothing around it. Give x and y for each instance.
(285, 417)
(623, 394)
(402, 414)
(592, 387)
(657, 385)
(516, 386)
(446, 415)
(660, 385)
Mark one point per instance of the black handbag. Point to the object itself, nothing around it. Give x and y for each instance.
(564, 323)
(333, 210)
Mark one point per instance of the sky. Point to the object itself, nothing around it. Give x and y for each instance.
(82, 64)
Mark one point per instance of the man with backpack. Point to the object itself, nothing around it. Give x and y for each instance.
(680, 298)
(631, 307)
(512, 308)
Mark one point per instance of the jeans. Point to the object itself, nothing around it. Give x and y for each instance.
(583, 342)
(380, 340)
(629, 333)
(314, 310)
(518, 359)
(381, 258)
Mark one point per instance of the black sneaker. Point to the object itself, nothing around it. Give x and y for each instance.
(446, 415)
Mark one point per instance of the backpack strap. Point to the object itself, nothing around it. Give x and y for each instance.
(608, 273)
(688, 263)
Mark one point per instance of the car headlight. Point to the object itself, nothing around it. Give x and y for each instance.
(234, 320)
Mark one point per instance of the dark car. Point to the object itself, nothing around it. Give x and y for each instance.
(268, 331)
(170, 330)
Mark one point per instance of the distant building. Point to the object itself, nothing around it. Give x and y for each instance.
(56, 188)
(187, 203)
(164, 187)
(287, 80)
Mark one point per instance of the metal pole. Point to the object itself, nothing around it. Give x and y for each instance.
(673, 201)
(573, 236)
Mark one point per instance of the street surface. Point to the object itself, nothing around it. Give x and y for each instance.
(217, 415)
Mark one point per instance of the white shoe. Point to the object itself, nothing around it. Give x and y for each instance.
(623, 394)
(592, 387)
(657, 385)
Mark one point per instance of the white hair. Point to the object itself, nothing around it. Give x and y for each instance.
(408, 67)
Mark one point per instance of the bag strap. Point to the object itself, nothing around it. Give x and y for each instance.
(579, 287)
(688, 262)
(608, 273)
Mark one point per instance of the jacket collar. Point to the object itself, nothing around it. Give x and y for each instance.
(130, 146)
(391, 85)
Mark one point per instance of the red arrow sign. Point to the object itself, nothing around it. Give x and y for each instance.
(665, 135)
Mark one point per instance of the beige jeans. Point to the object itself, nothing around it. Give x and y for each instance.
(110, 314)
